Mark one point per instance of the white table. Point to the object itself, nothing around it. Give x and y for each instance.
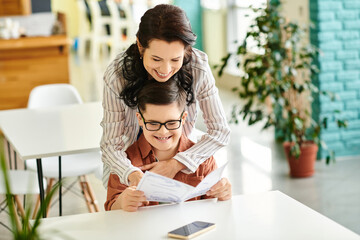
(55, 131)
(270, 215)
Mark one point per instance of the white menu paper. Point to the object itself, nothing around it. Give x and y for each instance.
(162, 189)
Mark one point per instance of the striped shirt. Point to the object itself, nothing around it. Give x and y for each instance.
(120, 125)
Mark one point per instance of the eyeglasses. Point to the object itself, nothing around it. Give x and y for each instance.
(169, 125)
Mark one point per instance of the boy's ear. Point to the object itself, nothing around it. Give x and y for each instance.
(184, 116)
(139, 118)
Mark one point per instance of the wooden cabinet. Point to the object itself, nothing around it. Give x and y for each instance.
(15, 7)
(28, 62)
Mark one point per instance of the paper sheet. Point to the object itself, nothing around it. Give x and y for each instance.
(162, 189)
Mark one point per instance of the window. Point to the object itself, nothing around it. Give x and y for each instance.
(239, 18)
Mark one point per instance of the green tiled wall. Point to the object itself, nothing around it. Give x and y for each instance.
(194, 13)
(337, 34)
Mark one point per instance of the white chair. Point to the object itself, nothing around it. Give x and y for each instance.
(123, 27)
(100, 40)
(76, 165)
(84, 27)
(21, 182)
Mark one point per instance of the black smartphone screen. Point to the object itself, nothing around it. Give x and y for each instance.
(191, 228)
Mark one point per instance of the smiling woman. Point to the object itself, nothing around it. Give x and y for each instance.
(163, 51)
(162, 59)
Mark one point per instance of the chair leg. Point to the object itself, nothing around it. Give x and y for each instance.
(19, 206)
(92, 195)
(89, 196)
(48, 188)
(37, 204)
(17, 220)
(85, 193)
(21, 209)
(81, 46)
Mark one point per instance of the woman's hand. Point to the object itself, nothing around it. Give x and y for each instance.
(135, 177)
(130, 200)
(168, 168)
(221, 190)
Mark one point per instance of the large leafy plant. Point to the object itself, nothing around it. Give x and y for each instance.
(278, 67)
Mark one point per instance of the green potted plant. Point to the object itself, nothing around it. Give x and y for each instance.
(277, 89)
(23, 227)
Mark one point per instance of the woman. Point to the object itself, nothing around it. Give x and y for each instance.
(163, 50)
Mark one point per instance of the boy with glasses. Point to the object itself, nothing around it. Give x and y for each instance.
(161, 115)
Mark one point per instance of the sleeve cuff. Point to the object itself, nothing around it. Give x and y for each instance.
(130, 170)
(190, 166)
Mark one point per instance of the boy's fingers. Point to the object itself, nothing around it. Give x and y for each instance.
(139, 198)
(148, 166)
(131, 208)
(226, 197)
(220, 189)
(138, 193)
(145, 203)
(222, 195)
(220, 184)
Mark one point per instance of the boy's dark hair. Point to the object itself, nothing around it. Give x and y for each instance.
(161, 93)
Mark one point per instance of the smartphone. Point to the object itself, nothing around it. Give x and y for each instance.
(191, 230)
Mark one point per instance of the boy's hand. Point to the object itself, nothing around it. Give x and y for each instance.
(130, 200)
(135, 177)
(167, 168)
(221, 190)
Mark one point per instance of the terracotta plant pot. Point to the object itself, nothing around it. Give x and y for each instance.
(304, 165)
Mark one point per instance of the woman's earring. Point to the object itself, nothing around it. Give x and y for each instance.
(141, 57)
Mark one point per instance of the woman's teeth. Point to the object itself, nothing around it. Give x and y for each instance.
(162, 75)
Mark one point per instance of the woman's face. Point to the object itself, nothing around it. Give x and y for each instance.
(163, 59)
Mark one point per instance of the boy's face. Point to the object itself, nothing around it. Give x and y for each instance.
(162, 139)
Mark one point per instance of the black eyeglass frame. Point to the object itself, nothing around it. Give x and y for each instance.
(162, 124)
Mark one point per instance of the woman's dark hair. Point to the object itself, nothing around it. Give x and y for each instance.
(163, 22)
(161, 93)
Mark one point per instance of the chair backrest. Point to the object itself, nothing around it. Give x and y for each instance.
(53, 95)
(84, 24)
(96, 15)
(94, 9)
(122, 24)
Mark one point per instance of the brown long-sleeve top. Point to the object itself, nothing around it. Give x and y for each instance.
(140, 153)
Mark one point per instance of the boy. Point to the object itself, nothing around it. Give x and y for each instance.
(161, 115)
